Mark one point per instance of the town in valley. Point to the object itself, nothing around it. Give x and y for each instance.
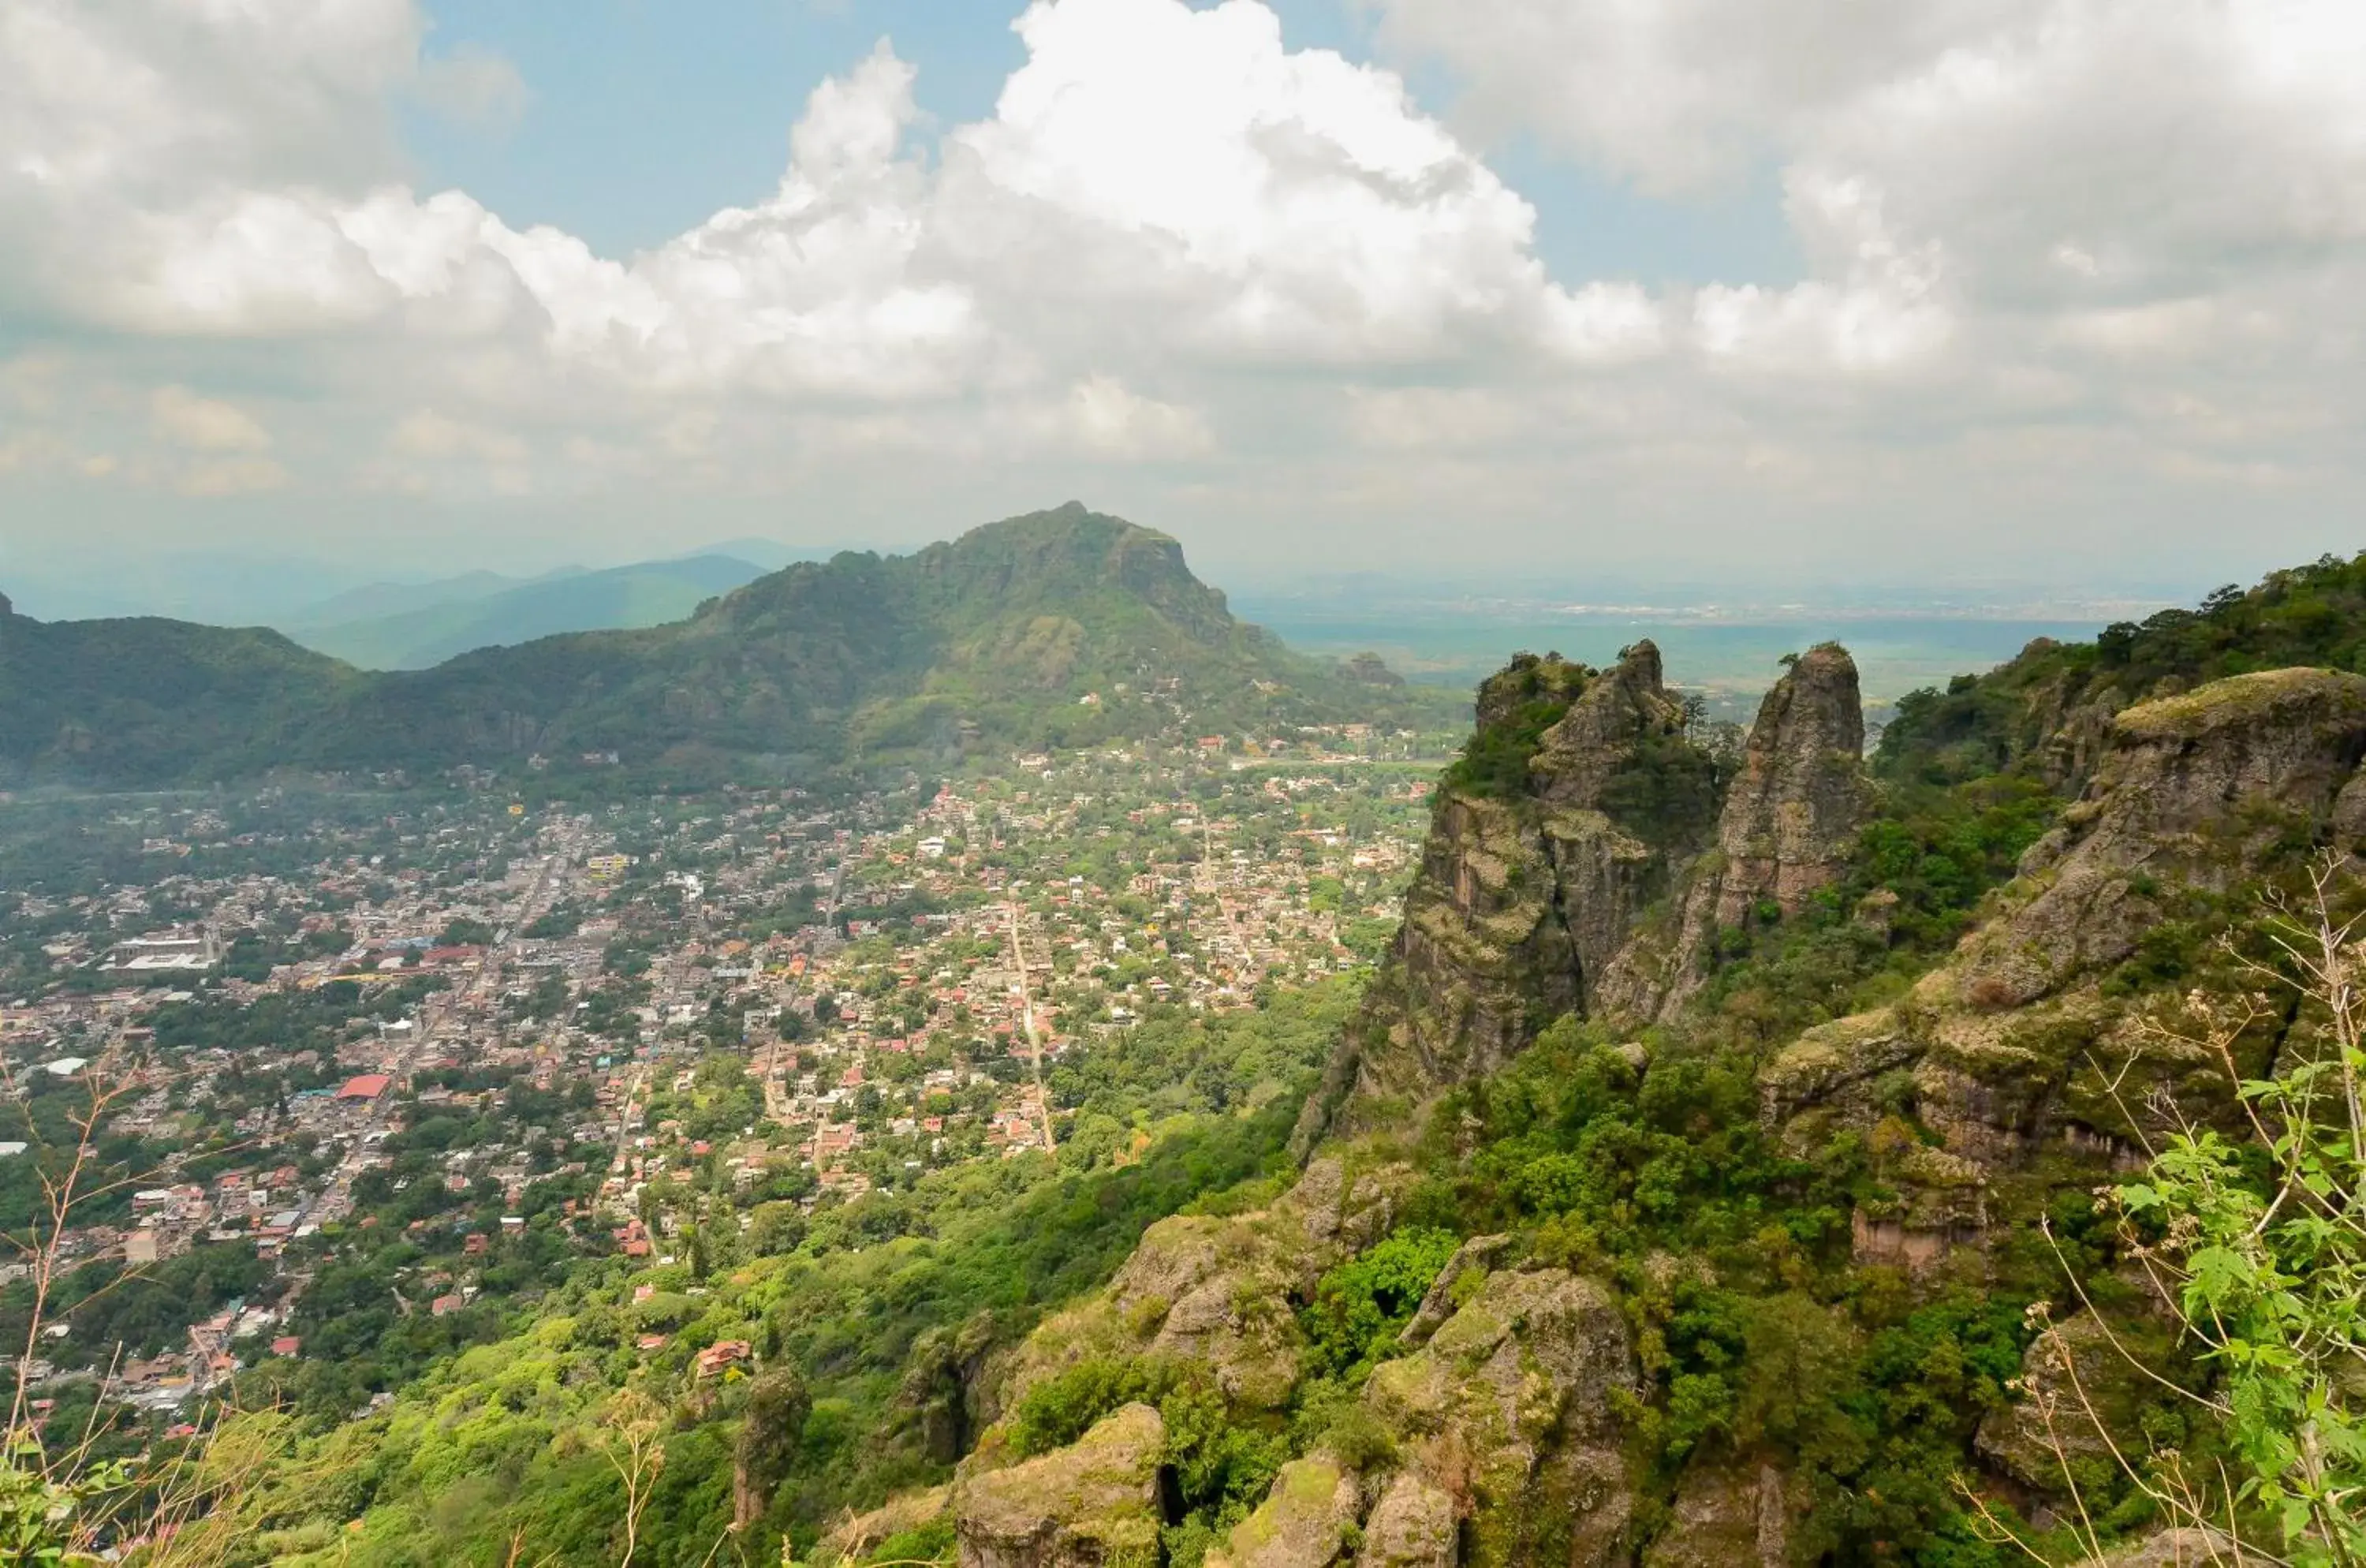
(356, 1073)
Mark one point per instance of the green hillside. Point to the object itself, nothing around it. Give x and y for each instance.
(147, 700)
(2056, 693)
(1062, 627)
(997, 639)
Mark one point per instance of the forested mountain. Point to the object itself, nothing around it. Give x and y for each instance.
(1060, 627)
(144, 699)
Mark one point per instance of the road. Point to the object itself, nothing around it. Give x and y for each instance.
(1026, 990)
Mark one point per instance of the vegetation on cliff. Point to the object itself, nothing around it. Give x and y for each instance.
(2046, 701)
(1842, 1187)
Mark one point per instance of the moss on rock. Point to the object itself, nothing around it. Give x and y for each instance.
(1094, 1505)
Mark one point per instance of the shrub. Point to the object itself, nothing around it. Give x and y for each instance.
(1360, 1305)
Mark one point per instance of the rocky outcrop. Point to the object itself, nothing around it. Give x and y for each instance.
(1510, 1413)
(2049, 1437)
(2198, 790)
(1453, 1285)
(2015, 1051)
(1792, 814)
(1578, 796)
(1412, 1526)
(1306, 1521)
(853, 1538)
(1094, 1505)
(1502, 1448)
(1217, 1291)
(944, 1384)
(1726, 1517)
(1790, 819)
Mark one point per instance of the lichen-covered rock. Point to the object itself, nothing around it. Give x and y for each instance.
(1510, 1410)
(1528, 886)
(1791, 818)
(2015, 1051)
(1792, 814)
(1306, 1521)
(1216, 1292)
(1454, 1285)
(1726, 1517)
(1412, 1526)
(1094, 1505)
(2196, 790)
(946, 1392)
(1831, 1059)
(2048, 1438)
(911, 1510)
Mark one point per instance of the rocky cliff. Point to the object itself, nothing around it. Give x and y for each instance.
(1555, 1395)
(1789, 821)
(2052, 1035)
(1576, 800)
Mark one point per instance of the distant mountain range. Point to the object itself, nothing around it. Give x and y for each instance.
(418, 626)
(1062, 627)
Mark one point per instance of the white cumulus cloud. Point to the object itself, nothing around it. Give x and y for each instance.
(2097, 246)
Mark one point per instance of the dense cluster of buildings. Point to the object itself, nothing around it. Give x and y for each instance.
(474, 1025)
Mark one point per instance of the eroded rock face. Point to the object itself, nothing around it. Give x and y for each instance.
(2048, 1435)
(1485, 954)
(1527, 890)
(1472, 1258)
(1412, 1526)
(1217, 1291)
(2198, 789)
(2014, 1047)
(1726, 1517)
(1305, 1522)
(1509, 1412)
(1793, 812)
(1094, 1505)
(1790, 823)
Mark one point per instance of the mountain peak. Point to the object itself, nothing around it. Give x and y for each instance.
(1007, 636)
(1070, 555)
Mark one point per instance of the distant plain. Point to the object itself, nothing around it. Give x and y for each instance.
(1729, 660)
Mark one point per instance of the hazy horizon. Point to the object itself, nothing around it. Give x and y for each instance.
(227, 587)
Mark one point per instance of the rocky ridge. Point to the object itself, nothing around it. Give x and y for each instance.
(1532, 878)
(1503, 1432)
(2025, 1045)
(1789, 821)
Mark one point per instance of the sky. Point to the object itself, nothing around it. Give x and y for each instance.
(1937, 294)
